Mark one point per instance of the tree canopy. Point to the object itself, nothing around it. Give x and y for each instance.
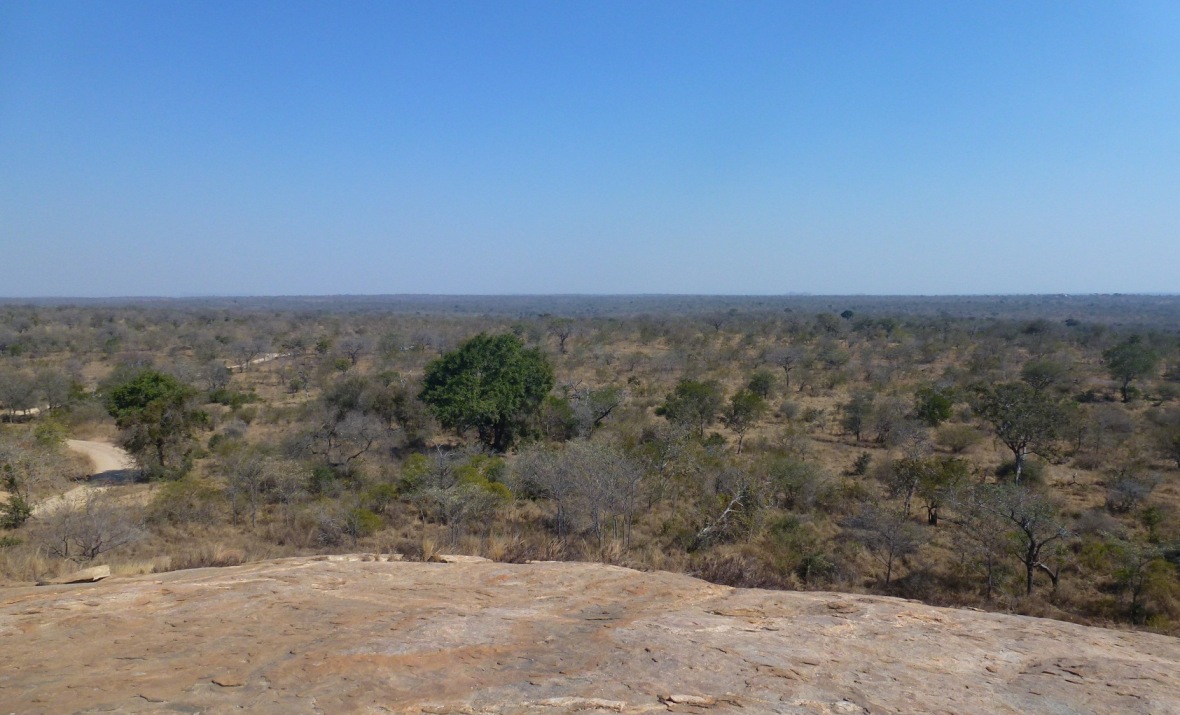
(693, 404)
(156, 413)
(1130, 360)
(1023, 418)
(490, 383)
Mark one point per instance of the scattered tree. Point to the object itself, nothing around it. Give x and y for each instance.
(888, 535)
(1025, 420)
(158, 417)
(858, 411)
(1130, 360)
(745, 408)
(693, 404)
(933, 406)
(562, 329)
(490, 383)
(84, 529)
(1033, 524)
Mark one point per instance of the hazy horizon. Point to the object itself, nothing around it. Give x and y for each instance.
(223, 296)
(659, 148)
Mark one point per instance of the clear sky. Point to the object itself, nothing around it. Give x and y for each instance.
(252, 148)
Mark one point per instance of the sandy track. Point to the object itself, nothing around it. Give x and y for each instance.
(265, 358)
(111, 465)
(105, 456)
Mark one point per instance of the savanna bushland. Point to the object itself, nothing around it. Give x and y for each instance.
(1016, 453)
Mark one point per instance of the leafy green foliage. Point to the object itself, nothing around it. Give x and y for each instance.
(745, 408)
(157, 416)
(861, 466)
(692, 404)
(17, 510)
(557, 420)
(796, 547)
(937, 481)
(761, 384)
(490, 383)
(1130, 360)
(231, 398)
(1044, 374)
(933, 406)
(456, 489)
(856, 413)
(361, 522)
(50, 434)
(795, 484)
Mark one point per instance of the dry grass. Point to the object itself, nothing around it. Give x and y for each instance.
(202, 555)
(25, 564)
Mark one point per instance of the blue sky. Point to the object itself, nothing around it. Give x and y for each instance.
(250, 148)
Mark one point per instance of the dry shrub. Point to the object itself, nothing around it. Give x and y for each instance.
(519, 549)
(503, 549)
(609, 551)
(425, 549)
(1089, 461)
(138, 567)
(1098, 522)
(202, 555)
(27, 563)
(187, 501)
(650, 557)
(87, 528)
(957, 438)
(735, 568)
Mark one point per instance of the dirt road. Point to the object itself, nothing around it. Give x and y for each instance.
(105, 456)
(265, 358)
(111, 465)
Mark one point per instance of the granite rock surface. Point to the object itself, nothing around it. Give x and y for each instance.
(352, 635)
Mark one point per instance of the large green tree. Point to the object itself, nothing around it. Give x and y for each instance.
(158, 416)
(1130, 360)
(492, 384)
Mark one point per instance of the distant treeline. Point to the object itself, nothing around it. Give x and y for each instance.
(1158, 311)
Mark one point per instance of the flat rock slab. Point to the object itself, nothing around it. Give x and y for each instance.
(94, 573)
(319, 636)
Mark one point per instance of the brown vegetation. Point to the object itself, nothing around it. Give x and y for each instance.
(908, 448)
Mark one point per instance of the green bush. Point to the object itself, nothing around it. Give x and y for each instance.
(933, 406)
(50, 433)
(379, 496)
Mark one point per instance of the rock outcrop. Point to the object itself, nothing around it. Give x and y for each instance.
(94, 573)
(351, 636)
